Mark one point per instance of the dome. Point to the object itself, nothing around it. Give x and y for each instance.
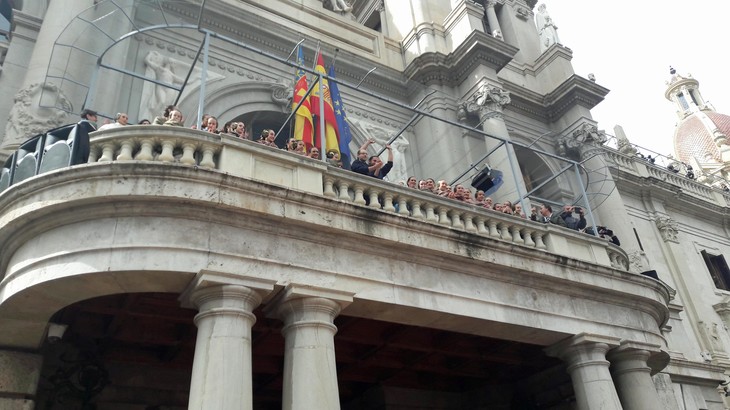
(695, 136)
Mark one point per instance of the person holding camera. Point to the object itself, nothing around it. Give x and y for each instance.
(571, 221)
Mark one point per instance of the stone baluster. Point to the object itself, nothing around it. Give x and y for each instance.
(107, 152)
(125, 152)
(388, 201)
(469, 223)
(360, 195)
(207, 160)
(416, 211)
(328, 190)
(430, 213)
(403, 206)
(344, 188)
(539, 243)
(145, 151)
(443, 217)
(167, 148)
(456, 219)
(481, 228)
(504, 229)
(527, 236)
(188, 157)
(373, 195)
(493, 232)
(516, 237)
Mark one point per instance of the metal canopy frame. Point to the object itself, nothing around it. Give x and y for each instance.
(110, 9)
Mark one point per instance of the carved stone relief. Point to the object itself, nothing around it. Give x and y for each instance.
(488, 100)
(169, 71)
(668, 228)
(28, 118)
(575, 145)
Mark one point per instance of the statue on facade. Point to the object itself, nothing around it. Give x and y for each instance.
(154, 96)
(546, 28)
(338, 6)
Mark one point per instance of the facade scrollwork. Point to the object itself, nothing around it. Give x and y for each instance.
(668, 228)
(282, 94)
(575, 144)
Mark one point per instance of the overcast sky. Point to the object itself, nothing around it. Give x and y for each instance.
(629, 46)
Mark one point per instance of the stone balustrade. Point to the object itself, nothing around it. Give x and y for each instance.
(251, 160)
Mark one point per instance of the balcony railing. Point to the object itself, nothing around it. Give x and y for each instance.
(246, 159)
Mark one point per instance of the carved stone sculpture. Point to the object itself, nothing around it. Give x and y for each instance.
(668, 228)
(571, 146)
(546, 28)
(28, 117)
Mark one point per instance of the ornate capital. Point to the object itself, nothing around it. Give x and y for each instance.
(489, 100)
(523, 13)
(668, 228)
(490, 3)
(587, 135)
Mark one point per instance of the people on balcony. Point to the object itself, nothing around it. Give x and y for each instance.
(574, 217)
(548, 216)
(90, 116)
(165, 115)
(333, 158)
(268, 138)
(212, 125)
(120, 120)
(175, 119)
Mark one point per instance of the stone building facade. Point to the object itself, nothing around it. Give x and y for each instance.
(196, 270)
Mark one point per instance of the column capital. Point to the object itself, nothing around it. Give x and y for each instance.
(487, 102)
(569, 348)
(298, 297)
(206, 280)
(582, 139)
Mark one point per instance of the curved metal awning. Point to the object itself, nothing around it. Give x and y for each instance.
(84, 47)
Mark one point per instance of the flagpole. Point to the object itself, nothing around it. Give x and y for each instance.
(294, 111)
(322, 137)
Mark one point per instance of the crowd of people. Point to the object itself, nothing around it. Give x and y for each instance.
(572, 217)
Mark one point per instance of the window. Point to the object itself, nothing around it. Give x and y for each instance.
(718, 270)
(683, 101)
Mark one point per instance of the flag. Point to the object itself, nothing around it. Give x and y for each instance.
(342, 126)
(303, 124)
(332, 142)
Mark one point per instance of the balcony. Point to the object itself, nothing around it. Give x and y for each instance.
(156, 205)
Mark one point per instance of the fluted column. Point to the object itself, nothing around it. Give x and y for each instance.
(632, 377)
(222, 374)
(585, 355)
(310, 372)
(19, 375)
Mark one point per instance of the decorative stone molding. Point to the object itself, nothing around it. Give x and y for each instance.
(523, 13)
(28, 117)
(489, 100)
(585, 136)
(636, 261)
(282, 94)
(668, 228)
(714, 336)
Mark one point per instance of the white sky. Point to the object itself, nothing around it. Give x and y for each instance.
(629, 46)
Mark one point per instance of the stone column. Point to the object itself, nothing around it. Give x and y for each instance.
(632, 377)
(222, 374)
(19, 375)
(488, 103)
(585, 355)
(310, 372)
(495, 29)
